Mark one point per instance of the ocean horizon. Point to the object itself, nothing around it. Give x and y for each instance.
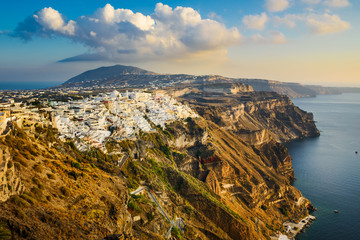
(26, 85)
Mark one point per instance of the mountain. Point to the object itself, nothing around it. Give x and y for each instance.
(120, 76)
(104, 73)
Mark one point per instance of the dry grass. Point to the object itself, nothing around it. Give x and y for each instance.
(38, 168)
(51, 176)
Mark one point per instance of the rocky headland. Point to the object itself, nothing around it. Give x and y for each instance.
(222, 175)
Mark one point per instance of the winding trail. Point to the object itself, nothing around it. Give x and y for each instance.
(176, 224)
(123, 160)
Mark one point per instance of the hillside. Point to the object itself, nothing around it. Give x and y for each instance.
(195, 178)
(104, 73)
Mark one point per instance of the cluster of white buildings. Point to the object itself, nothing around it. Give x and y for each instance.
(92, 121)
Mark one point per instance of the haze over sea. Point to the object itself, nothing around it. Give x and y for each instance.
(26, 85)
(327, 170)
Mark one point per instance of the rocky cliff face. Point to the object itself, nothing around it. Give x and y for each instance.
(226, 88)
(10, 182)
(256, 117)
(254, 182)
(61, 195)
(225, 174)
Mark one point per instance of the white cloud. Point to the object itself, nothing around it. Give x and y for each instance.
(213, 15)
(276, 5)
(289, 20)
(326, 24)
(320, 24)
(51, 19)
(329, 3)
(258, 38)
(255, 21)
(337, 3)
(110, 15)
(277, 37)
(311, 1)
(273, 37)
(117, 34)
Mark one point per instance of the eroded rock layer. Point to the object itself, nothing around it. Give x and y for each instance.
(226, 175)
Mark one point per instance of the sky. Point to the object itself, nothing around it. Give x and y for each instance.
(304, 41)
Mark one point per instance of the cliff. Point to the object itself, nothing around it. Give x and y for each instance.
(63, 194)
(10, 182)
(256, 117)
(225, 175)
(293, 90)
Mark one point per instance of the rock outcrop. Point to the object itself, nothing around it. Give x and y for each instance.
(60, 195)
(257, 117)
(10, 182)
(225, 174)
(248, 181)
(226, 88)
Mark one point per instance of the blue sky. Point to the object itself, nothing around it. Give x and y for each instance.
(307, 41)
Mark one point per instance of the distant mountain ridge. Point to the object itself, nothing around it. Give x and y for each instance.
(120, 76)
(103, 73)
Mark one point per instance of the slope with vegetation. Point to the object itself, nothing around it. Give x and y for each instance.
(222, 187)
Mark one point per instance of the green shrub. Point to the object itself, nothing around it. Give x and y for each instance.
(150, 216)
(72, 145)
(176, 232)
(132, 183)
(165, 149)
(5, 233)
(95, 213)
(284, 211)
(188, 210)
(74, 174)
(75, 164)
(139, 198)
(133, 206)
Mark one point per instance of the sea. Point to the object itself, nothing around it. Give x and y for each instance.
(327, 168)
(26, 85)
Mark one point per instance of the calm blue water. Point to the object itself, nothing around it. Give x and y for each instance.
(26, 85)
(328, 170)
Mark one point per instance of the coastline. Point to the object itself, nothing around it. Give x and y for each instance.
(292, 229)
